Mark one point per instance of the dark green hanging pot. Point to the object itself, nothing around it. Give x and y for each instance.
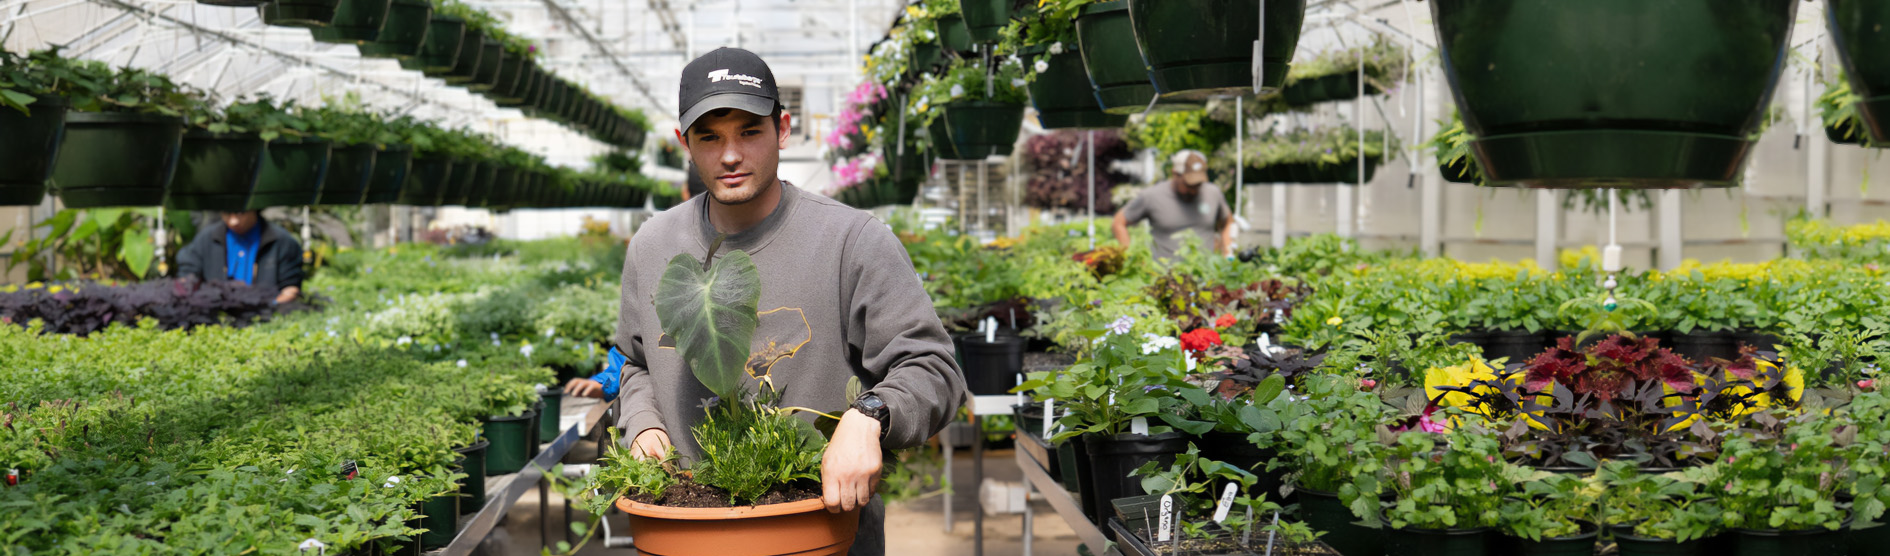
(941, 140)
(924, 56)
(1627, 544)
(505, 182)
(1411, 541)
(350, 167)
(1857, 29)
(426, 180)
(458, 175)
(1122, 82)
(472, 488)
(985, 18)
(913, 166)
(1555, 99)
(116, 159)
(28, 147)
(1198, 49)
(514, 79)
(492, 58)
(391, 167)
(293, 170)
(1063, 97)
(953, 34)
(234, 3)
(300, 13)
(356, 21)
(440, 51)
(408, 22)
(978, 129)
(520, 94)
(440, 518)
(466, 62)
(476, 183)
(511, 443)
(215, 171)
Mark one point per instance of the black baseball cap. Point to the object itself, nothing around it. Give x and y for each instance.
(726, 78)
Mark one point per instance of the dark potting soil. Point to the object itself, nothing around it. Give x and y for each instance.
(1229, 545)
(690, 494)
(1041, 361)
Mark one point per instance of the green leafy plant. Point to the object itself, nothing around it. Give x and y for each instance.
(1788, 479)
(1127, 378)
(1448, 481)
(41, 72)
(95, 244)
(1548, 505)
(1677, 507)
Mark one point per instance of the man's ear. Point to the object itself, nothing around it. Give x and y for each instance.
(787, 123)
(680, 140)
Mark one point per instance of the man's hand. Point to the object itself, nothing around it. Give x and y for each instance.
(850, 469)
(585, 388)
(650, 444)
(289, 294)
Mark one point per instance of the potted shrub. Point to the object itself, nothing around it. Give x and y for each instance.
(1550, 514)
(1344, 419)
(755, 488)
(295, 162)
(1781, 486)
(1671, 514)
(33, 111)
(355, 22)
(1446, 491)
(1522, 82)
(121, 137)
(408, 22)
(1205, 48)
(976, 123)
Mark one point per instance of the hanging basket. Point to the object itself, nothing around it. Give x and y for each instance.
(1856, 28)
(28, 148)
(977, 129)
(1198, 49)
(300, 13)
(408, 22)
(459, 180)
(349, 169)
(481, 185)
(291, 175)
(954, 35)
(492, 59)
(115, 159)
(356, 22)
(466, 62)
(215, 171)
(440, 50)
(427, 180)
(1116, 71)
(1555, 99)
(234, 3)
(391, 167)
(1063, 97)
(520, 94)
(514, 76)
(924, 56)
(985, 18)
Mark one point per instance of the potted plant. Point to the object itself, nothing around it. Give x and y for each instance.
(471, 49)
(295, 162)
(1329, 155)
(1196, 488)
(433, 161)
(755, 488)
(355, 138)
(1550, 514)
(121, 137)
(33, 110)
(1122, 80)
(300, 13)
(405, 31)
(978, 121)
(1522, 83)
(984, 19)
(1446, 491)
(355, 22)
(439, 51)
(1672, 514)
(1853, 28)
(1201, 49)
(1059, 84)
(492, 58)
(1781, 486)
(1329, 438)
(1334, 75)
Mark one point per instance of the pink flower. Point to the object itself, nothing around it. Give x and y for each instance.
(1427, 425)
(1867, 384)
(1367, 384)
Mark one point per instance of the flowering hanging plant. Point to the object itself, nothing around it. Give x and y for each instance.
(854, 171)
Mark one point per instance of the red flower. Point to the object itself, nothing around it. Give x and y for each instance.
(1200, 339)
(1225, 321)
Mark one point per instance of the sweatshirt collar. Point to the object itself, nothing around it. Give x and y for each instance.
(753, 239)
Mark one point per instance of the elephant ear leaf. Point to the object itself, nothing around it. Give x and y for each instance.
(711, 312)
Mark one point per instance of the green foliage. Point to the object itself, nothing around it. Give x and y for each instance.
(1548, 505)
(1788, 481)
(96, 87)
(1385, 63)
(1126, 378)
(749, 449)
(1174, 131)
(1337, 145)
(710, 309)
(1331, 436)
(95, 244)
(965, 80)
(1449, 481)
(1675, 506)
(41, 72)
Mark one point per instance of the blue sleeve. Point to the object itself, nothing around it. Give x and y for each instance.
(612, 372)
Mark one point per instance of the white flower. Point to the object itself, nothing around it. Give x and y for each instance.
(1042, 66)
(331, 333)
(1056, 47)
(462, 363)
(403, 340)
(1018, 82)
(958, 90)
(311, 543)
(525, 350)
(549, 332)
(1122, 325)
(495, 336)
(391, 481)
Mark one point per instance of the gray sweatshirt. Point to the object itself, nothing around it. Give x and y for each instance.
(839, 299)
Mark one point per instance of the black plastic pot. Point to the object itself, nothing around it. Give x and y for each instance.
(349, 169)
(440, 49)
(356, 21)
(1629, 545)
(1868, 540)
(116, 159)
(1069, 458)
(439, 515)
(291, 174)
(1699, 346)
(466, 60)
(408, 22)
(472, 489)
(1411, 541)
(215, 171)
(991, 368)
(478, 182)
(1762, 340)
(510, 439)
(513, 72)
(1518, 345)
(427, 180)
(28, 148)
(1233, 448)
(1199, 49)
(1582, 544)
(953, 34)
(984, 18)
(300, 13)
(391, 166)
(1063, 97)
(492, 56)
(1324, 512)
(1773, 542)
(1137, 512)
(1112, 458)
(553, 401)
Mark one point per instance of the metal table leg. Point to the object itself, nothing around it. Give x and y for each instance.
(977, 482)
(1028, 488)
(948, 479)
(544, 511)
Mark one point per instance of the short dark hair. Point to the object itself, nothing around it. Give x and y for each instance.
(774, 116)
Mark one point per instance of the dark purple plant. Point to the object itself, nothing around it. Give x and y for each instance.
(82, 308)
(1059, 163)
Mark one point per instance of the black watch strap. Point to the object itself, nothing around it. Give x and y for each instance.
(871, 405)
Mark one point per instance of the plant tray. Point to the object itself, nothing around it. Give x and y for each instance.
(1133, 542)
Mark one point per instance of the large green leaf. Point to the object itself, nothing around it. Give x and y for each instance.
(712, 314)
(137, 250)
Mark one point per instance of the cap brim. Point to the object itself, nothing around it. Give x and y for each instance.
(753, 104)
(1196, 177)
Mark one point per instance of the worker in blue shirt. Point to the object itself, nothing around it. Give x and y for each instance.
(244, 247)
(601, 385)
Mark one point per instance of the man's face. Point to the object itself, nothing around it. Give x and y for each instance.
(240, 222)
(738, 153)
(1189, 177)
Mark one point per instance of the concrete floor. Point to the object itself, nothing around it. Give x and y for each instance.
(913, 528)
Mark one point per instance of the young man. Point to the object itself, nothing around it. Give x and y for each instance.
(1186, 203)
(839, 298)
(248, 249)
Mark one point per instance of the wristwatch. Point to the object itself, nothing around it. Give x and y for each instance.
(870, 405)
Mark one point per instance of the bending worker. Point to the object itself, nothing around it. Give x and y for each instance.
(1186, 202)
(242, 246)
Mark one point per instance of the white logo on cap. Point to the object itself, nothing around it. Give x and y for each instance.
(720, 75)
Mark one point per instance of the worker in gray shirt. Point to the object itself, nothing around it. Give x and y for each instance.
(839, 298)
(1186, 202)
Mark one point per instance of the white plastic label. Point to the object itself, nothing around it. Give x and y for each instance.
(1049, 416)
(1168, 518)
(1611, 258)
(1227, 503)
(1139, 425)
(990, 330)
(1189, 357)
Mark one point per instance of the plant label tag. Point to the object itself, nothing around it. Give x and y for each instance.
(13, 477)
(1049, 416)
(1138, 425)
(1168, 518)
(1227, 503)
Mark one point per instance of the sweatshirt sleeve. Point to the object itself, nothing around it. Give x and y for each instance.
(636, 391)
(902, 344)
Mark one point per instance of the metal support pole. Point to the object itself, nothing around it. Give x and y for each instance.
(1278, 225)
(1240, 150)
(1548, 228)
(544, 507)
(977, 482)
(947, 479)
(984, 211)
(1671, 246)
(1089, 138)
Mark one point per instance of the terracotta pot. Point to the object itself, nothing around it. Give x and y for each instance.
(800, 528)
